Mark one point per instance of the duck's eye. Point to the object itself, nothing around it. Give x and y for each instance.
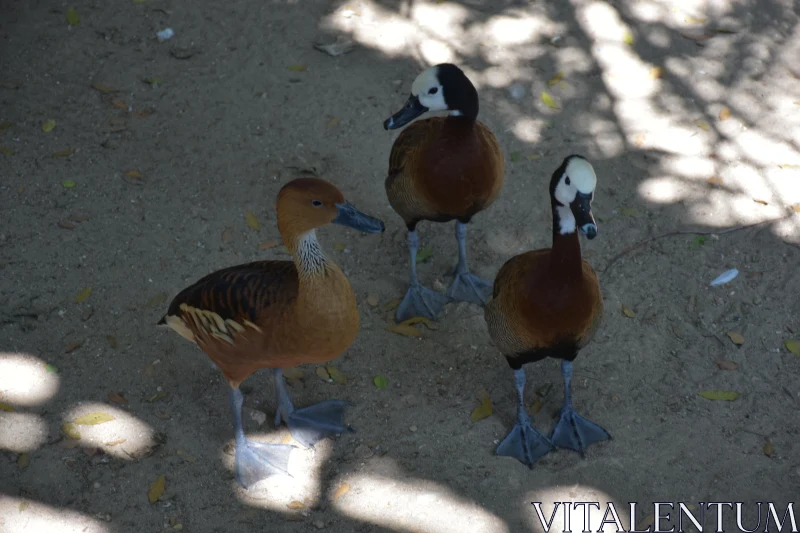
(433, 90)
(316, 203)
(567, 180)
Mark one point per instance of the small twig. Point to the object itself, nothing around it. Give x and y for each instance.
(645, 242)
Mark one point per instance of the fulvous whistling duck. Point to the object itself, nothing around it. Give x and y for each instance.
(279, 314)
(547, 303)
(440, 169)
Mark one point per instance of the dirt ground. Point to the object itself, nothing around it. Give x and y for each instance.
(135, 194)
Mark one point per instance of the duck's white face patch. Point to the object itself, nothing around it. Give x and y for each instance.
(578, 177)
(429, 91)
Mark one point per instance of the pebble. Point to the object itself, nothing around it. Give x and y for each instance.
(413, 429)
(319, 524)
(258, 416)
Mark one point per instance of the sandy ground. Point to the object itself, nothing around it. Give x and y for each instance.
(227, 117)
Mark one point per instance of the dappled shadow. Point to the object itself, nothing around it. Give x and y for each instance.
(642, 94)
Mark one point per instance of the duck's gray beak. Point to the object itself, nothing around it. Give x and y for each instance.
(584, 219)
(353, 218)
(410, 111)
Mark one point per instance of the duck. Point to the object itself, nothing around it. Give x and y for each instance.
(547, 303)
(442, 169)
(278, 314)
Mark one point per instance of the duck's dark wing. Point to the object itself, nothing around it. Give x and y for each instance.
(224, 302)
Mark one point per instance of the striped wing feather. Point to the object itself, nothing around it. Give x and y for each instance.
(226, 302)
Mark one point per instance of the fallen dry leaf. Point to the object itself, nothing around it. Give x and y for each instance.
(484, 410)
(555, 79)
(536, 406)
(639, 140)
(343, 489)
(628, 38)
(627, 311)
(762, 202)
(424, 254)
(293, 373)
(372, 300)
(768, 448)
(63, 153)
(92, 419)
(339, 247)
(105, 89)
(391, 305)
(73, 19)
(295, 505)
(66, 225)
(115, 442)
(48, 126)
(112, 341)
(144, 113)
(414, 320)
(719, 395)
(71, 431)
(702, 124)
(85, 293)
(157, 396)
(792, 345)
(656, 73)
(697, 36)
(117, 398)
(297, 68)
(133, 174)
(724, 113)
(736, 337)
(6, 407)
(404, 329)
(334, 121)
(714, 180)
(266, 245)
(323, 373)
(24, 505)
(336, 375)
(252, 221)
(226, 235)
(549, 101)
(23, 460)
(726, 365)
(73, 346)
(693, 20)
(796, 208)
(119, 103)
(157, 489)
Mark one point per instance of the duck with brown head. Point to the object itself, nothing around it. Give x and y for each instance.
(442, 169)
(279, 314)
(547, 303)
